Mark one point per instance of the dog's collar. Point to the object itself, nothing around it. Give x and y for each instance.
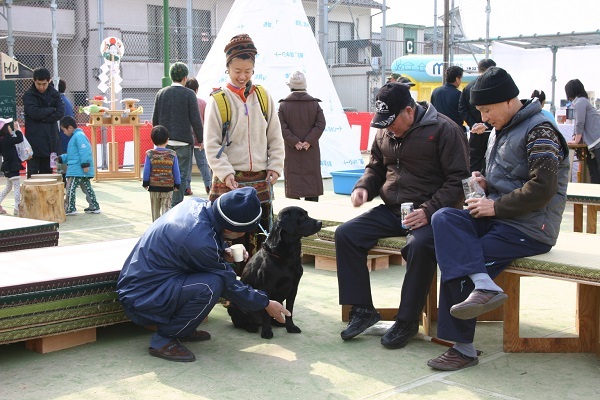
(270, 251)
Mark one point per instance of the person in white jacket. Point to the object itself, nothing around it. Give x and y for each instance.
(252, 151)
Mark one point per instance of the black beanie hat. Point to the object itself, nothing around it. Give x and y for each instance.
(238, 210)
(494, 86)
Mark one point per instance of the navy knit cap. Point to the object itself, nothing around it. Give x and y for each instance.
(494, 86)
(238, 210)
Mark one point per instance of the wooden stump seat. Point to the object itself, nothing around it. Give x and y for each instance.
(42, 199)
(56, 177)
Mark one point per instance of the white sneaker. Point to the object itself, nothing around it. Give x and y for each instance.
(72, 213)
(16, 212)
(90, 211)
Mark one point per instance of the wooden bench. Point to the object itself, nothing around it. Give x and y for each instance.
(25, 233)
(323, 253)
(587, 194)
(575, 258)
(54, 298)
(392, 247)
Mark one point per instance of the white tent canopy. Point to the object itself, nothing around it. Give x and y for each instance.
(531, 69)
(548, 62)
(285, 43)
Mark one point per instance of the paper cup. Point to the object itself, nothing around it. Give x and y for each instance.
(237, 251)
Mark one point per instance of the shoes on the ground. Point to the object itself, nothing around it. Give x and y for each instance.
(2, 210)
(196, 336)
(74, 212)
(397, 336)
(452, 360)
(188, 192)
(16, 212)
(92, 211)
(173, 351)
(478, 302)
(360, 319)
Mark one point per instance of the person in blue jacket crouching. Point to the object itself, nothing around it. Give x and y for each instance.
(180, 268)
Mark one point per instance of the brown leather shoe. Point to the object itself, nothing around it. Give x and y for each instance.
(197, 336)
(478, 302)
(173, 351)
(452, 360)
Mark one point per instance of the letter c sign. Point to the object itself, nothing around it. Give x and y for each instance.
(409, 46)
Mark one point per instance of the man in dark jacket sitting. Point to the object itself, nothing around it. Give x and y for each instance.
(419, 156)
(179, 269)
(43, 109)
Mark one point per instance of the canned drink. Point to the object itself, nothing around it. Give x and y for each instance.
(405, 209)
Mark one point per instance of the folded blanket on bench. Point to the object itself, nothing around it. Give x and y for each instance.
(60, 289)
(25, 233)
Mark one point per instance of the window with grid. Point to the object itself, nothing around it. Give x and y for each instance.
(341, 32)
(201, 34)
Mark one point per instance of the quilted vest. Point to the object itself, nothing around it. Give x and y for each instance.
(508, 169)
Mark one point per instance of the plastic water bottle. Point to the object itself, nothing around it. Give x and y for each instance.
(53, 163)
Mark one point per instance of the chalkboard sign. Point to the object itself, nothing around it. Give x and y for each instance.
(8, 104)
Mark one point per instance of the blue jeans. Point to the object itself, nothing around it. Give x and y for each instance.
(202, 164)
(465, 245)
(184, 158)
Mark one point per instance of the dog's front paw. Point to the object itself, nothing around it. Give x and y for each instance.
(266, 334)
(293, 329)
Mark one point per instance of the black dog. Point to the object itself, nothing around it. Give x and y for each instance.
(276, 269)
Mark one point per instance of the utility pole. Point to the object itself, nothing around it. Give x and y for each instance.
(54, 42)
(384, 60)
(446, 37)
(435, 26)
(488, 11)
(166, 80)
(190, 36)
(323, 14)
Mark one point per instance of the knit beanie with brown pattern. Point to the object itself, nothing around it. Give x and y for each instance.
(240, 45)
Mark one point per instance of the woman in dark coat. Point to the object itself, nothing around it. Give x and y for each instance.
(302, 124)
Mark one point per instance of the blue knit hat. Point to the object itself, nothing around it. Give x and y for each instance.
(238, 210)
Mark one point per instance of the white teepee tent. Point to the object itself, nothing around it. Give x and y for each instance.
(285, 43)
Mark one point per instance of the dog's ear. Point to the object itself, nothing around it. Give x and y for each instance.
(286, 221)
(275, 235)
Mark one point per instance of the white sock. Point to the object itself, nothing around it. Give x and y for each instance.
(468, 349)
(483, 281)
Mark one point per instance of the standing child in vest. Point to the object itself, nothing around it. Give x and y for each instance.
(161, 172)
(11, 164)
(80, 167)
